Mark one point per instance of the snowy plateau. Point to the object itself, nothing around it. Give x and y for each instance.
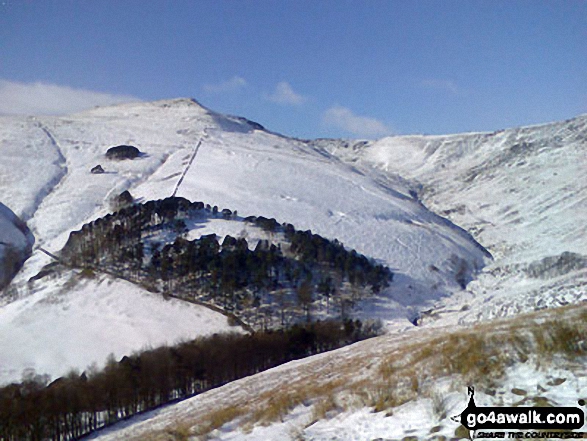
(484, 232)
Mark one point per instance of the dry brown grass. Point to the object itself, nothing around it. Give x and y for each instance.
(274, 406)
(478, 354)
(561, 337)
(180, 431)
(323, 406)
(186, 429)
(218, 418)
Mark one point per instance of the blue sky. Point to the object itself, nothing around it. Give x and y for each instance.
(309, 69)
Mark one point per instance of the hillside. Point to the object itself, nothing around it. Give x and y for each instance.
(275, 277)
(72, 322)
(474, 227)
(519, 192)
(400, 386)
(192, 152)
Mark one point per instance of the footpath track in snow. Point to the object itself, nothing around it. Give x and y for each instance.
(190, 162)
(54, 183)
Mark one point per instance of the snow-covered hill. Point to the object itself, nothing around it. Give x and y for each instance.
(521, 192)
(474, 226)
(231, 162)
(398, 386)
(73, 321)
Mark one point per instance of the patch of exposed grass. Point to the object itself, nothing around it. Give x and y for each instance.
(462, 432)
(87, 273)
(561, 337)
(323, 406)
(179, 431)
(382, 397)
(217, 419)
(277, 407)
(478, 354)
(274, 407)
(439, 405)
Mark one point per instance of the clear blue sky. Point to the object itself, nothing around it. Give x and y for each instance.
(306, 68)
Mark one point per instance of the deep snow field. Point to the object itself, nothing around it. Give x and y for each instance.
(503, 211)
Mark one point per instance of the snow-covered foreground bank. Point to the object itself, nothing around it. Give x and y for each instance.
(388, 387)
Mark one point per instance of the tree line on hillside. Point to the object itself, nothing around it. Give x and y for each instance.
(76, 405)
(232, 274)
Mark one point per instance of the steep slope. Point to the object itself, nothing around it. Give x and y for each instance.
(231, 162)
(286, 179)
(31, 164)
(74, 321)
(16, 242)
(520, 192)
(399, 386)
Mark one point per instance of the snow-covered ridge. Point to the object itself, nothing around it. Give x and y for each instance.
(520, 192)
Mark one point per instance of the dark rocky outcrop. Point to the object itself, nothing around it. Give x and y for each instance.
(123, 152)
(97, 170)
(123, 200)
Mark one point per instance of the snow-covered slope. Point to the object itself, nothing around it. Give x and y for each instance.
(522, 193)
(73, 321)
(226, 161)
(398, 386)
(16, 242)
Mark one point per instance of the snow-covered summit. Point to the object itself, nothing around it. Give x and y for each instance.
(184, 109)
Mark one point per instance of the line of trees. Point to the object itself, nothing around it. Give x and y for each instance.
(230, 274)
(76, 405)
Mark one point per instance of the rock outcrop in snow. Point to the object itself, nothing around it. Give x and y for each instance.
(123, 152)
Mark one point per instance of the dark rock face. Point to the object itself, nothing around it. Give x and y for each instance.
(123, 152)
(97, 170)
